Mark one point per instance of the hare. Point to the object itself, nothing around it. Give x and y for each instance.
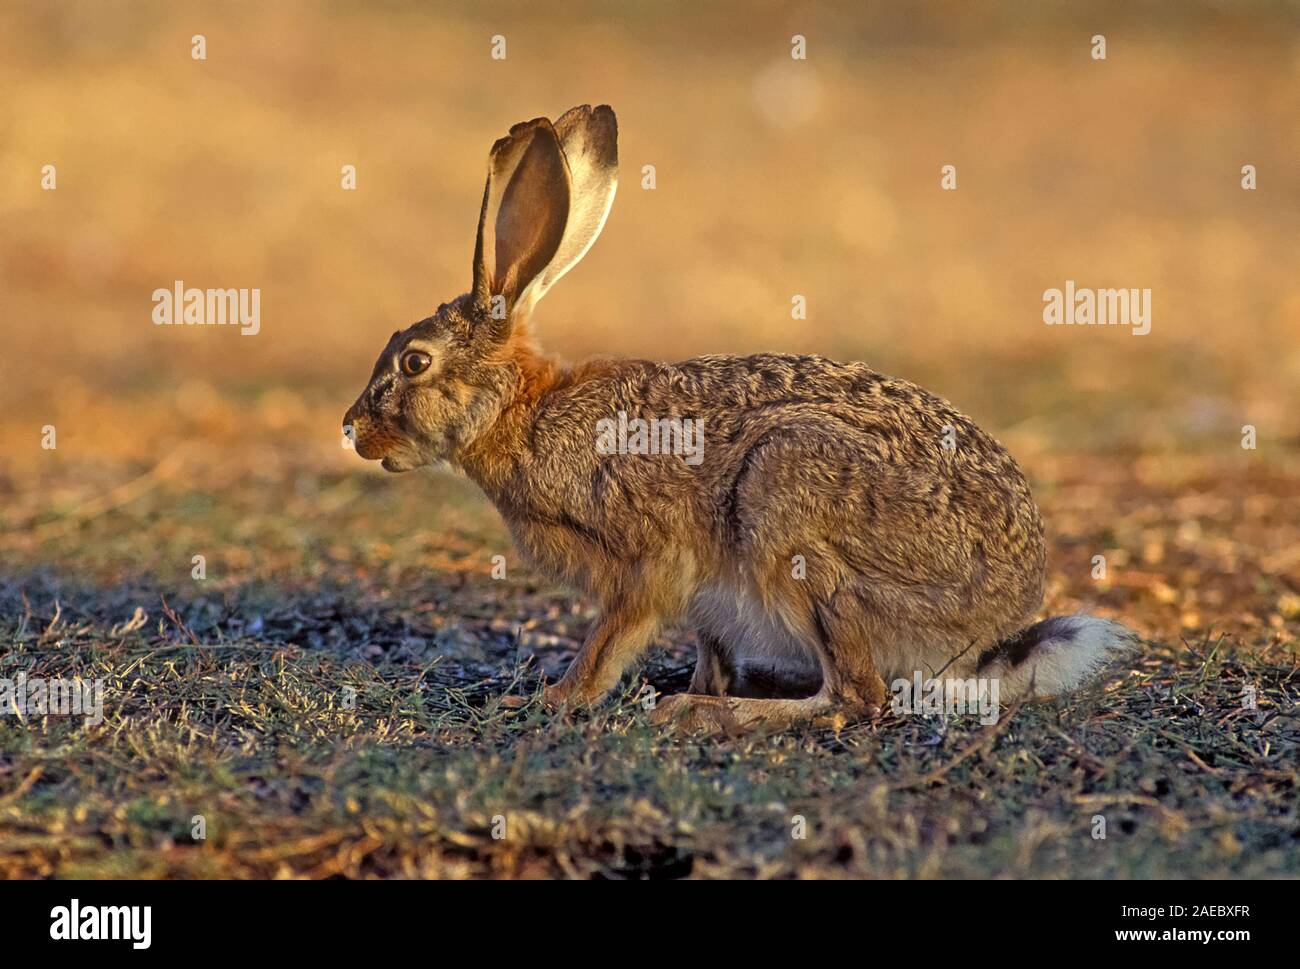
(839, 527)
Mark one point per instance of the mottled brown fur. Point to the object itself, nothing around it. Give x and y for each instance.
(915, 555)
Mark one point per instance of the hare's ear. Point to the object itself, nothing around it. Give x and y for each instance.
(589, 140)
(549, 191)
(525, 210)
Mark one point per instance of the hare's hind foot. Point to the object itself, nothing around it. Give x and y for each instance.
(693, 713)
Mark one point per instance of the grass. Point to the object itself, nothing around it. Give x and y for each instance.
(330, 700)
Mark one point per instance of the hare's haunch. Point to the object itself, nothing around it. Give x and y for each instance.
(822, 526)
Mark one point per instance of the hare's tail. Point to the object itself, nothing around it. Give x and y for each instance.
(1057, 655)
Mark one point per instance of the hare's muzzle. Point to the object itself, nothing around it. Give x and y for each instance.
(361, 432)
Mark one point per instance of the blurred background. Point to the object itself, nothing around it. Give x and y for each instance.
(774, 177)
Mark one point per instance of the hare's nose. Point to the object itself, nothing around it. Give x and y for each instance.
(353, 415)
(351, 420)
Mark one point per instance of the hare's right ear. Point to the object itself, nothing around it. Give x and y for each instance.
(549, 190)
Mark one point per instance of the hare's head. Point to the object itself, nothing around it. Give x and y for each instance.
(441, 382)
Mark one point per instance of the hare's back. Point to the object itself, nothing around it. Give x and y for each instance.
(740, 397)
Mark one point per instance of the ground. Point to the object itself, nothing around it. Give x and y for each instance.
(228, 697)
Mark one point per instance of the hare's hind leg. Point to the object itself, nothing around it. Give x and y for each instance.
(733, 714)
(799, 648)
(851, 689)
(852, 680)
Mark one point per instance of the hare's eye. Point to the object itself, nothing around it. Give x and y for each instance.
(415, 362)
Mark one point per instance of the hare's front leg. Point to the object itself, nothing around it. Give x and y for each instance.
(618, 637)
(714, 667)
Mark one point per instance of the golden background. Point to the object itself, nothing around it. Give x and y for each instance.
(775, 177)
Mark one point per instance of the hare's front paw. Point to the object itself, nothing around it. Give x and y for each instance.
(556, 696)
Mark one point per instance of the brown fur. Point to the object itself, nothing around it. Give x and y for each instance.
(916, 555)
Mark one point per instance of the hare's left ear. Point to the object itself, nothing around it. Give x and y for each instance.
(549, 190)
